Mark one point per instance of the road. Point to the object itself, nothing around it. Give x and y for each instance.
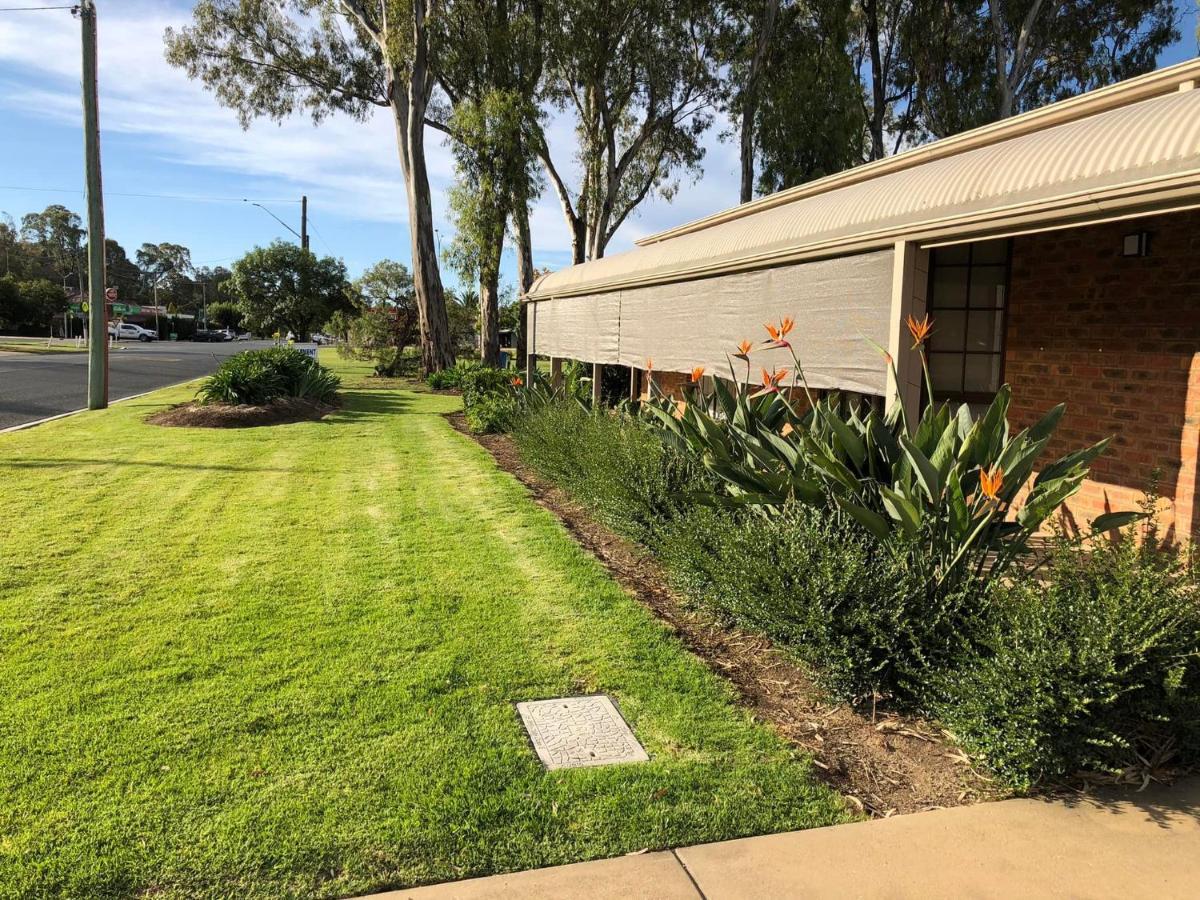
(34, 385)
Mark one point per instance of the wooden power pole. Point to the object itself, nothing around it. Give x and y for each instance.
(304, 222)
(97, 308)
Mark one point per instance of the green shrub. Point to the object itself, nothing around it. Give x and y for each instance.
(256, 377)
(478, 381)
(492, 413)
(1096, 668)
(614, 464)
(824, 589)
(452, 377)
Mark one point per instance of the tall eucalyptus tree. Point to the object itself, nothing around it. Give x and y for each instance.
(277, 58)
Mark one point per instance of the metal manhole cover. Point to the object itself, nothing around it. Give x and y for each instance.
(573, 732)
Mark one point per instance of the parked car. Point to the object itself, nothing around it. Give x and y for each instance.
(127, 331)
(210, 335)
(319, 338)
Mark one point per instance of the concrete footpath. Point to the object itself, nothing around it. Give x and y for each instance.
(1126, 845)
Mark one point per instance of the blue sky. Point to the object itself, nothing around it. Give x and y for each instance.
(162, 134)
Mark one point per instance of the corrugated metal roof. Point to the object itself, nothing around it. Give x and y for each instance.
(1116, 159)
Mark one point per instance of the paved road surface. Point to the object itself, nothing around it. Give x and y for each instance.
(34, 385)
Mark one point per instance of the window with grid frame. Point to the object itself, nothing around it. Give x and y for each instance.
(967, 301)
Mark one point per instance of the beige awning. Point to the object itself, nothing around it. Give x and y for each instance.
(839, 305)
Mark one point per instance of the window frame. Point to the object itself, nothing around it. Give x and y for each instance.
(964, 395)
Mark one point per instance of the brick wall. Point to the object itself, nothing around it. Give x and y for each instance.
(1118, 339)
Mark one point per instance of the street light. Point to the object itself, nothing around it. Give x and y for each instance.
(303, 241)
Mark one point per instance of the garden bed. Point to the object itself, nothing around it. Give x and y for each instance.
(281, 411)
(882, 762)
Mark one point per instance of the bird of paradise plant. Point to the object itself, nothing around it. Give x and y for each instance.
(940, 491)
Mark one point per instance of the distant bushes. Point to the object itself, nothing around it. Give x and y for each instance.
(257, 377)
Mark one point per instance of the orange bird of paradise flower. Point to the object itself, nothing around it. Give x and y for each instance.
(771, 382)
(990, 482)
(920, 331)
(744, 349)
(517, 382)
(697, 374)
(780, 332)
(649, 364)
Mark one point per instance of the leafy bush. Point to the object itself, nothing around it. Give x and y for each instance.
(615, 464)
(493, 412)
(825, 589)
(257, 377)
(1093, 666)
(451, 378)
(938, 493)
(1098, 668)
(479, 381)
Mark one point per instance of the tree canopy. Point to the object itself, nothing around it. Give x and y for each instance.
(314, 57)
(283, 287)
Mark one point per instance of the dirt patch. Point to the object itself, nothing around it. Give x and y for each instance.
(883, 763)
(220, 415)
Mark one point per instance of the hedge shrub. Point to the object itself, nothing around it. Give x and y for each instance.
(1090, 668)
(617, 466)
(1094, 668)
(826, 590)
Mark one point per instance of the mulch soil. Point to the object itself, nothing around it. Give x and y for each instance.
(882, 762)
(220, 415)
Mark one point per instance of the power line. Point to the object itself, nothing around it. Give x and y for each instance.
(193, 198)
(73, 6)
(320, 237)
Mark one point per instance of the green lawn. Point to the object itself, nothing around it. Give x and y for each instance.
(38, 345)
(282, 662)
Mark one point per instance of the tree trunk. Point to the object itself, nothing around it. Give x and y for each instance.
(878, 80)
(578, 239)
(747, 139)
(489, 318)
(524, 275)
(765, 36)
(408, 107)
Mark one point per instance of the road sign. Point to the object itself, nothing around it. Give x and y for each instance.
(110, 294)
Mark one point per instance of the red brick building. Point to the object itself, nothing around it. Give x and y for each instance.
(1058, 252)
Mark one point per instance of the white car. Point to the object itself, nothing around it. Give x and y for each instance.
(320, 339)
(127, 331)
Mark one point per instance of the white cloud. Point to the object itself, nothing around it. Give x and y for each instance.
(346, 166)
